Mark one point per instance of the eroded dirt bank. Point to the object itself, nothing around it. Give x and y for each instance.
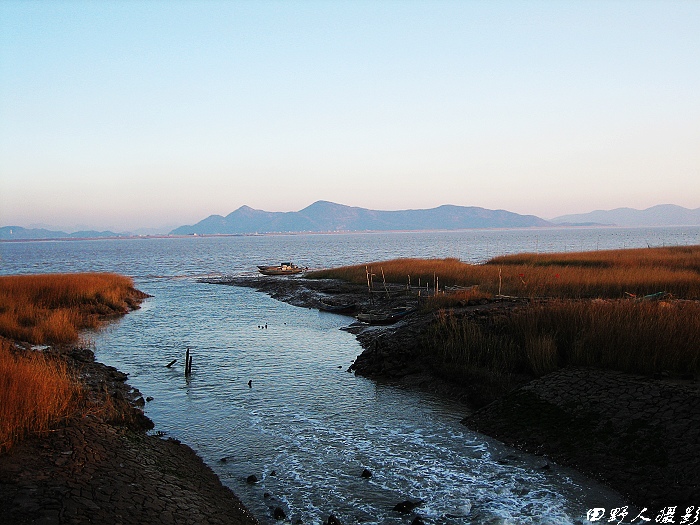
(639, 435)
(104, 468)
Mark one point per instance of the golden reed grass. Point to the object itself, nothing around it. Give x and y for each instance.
(608, 274)
(647, 337)
(35, 393)
(52, 308)
(594, 313)
(37, 390)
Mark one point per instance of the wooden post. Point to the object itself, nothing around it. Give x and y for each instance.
(384, 281)
(188, 362)
(368, 271)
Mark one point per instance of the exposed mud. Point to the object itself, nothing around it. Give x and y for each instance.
(102, 467)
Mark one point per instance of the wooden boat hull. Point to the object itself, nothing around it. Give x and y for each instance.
(283, 269)
(277, 271)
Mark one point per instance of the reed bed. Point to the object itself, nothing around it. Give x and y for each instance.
(601, 274)
(53, 308)
(35, 393)
(651, 337)
(587, 309)
(38, 390)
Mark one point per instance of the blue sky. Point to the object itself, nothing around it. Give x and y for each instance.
(131, 114)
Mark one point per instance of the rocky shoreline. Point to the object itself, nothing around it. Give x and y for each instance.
(639, 435)
(104, 468)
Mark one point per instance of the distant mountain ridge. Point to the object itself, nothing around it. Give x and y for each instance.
(660, 215)
(324, 216)
(10, 233)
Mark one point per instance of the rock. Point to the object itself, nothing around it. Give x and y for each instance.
(366, 473)
(417, 521)
(273, 473)
(149, 399)
(279, 514)
(266, 495)
(407, 506)
(252, 479)
(333, 520)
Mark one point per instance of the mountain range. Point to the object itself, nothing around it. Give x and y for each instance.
(661, 215)
(9, 233)
(323, 216)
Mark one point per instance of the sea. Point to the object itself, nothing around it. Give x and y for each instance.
(305, 426)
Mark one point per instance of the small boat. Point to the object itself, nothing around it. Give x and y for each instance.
(377, 318)
(337, 308)
(285, 268)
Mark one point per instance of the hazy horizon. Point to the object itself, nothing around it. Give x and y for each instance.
(128, 115)
(158, 229)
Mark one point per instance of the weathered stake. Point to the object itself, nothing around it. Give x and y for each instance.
(188, 362)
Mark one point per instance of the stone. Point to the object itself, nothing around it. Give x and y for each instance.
(333, 520)
(366, 473)
(279, 514)
(407, 506)
(252, 479)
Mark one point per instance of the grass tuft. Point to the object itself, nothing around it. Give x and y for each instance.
(35, 393)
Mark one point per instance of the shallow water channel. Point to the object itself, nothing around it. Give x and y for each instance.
(307, 428)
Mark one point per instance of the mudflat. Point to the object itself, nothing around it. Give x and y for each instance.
(105, 468)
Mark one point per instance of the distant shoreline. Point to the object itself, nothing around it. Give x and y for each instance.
(349, 232)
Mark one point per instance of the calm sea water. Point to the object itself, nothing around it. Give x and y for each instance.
(306, 428)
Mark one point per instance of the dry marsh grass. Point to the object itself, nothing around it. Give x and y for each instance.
(649, 337)
(37, 390)
(603, 274)
(589, 310)
(53, 308)
(35, 393)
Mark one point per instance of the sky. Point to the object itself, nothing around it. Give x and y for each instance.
(122, 115)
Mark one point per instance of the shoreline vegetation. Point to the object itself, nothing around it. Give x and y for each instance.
(636, 311)
(38, 390)
(591, 358)
(73, 447)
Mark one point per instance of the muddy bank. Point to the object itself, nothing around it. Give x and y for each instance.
(639, 435)
(636, 434)
(102, 467)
